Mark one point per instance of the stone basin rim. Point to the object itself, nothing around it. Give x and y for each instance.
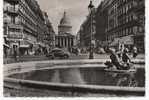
(93, 88)
(21, 69)
(59, 64)
(136, 61)
(75, 87)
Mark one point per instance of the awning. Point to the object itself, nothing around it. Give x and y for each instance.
(24, 46)
(127, 40)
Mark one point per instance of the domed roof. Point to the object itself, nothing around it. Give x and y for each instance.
(65, 21)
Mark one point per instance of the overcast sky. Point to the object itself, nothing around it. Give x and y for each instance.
(76, 9)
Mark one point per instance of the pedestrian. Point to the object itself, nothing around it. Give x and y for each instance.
(135, 52)
(15, 53)
(76, 51)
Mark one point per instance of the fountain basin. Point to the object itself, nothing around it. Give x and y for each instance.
(67, 79)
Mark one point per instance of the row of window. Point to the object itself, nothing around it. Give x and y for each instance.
(116, 9)
(11, 19)
(112, 23)
(27, 10)
(125, 8)
(20, 18)
(118, 21)
(8, 5)
(34, 19)
(15, 34)
(26, 18)
(114, 12)
(125, 19)
(123, 32)
(123, 2)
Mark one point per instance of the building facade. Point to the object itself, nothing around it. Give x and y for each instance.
(85, 30)
(116, 22)
(101, 17)
(126, 22)
(139, 37)
(65, 39)
(49, 36)
(78, 39)
(23, 25)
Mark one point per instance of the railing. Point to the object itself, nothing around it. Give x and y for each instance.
(14, 1)
(15, 35)
(12, 9)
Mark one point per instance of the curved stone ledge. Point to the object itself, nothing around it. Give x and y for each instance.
(12, 83)
(17, 83)
(58, 64)
(137, 61)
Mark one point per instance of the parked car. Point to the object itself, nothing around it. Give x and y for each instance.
(58, 53)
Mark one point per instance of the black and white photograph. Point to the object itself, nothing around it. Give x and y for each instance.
(74, 48)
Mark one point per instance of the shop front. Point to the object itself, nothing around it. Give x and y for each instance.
(127, 41)
(25, 47)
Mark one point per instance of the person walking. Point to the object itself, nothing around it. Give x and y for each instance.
(135, 52)
(15, 53)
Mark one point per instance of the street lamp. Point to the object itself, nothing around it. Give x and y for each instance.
(90, 8)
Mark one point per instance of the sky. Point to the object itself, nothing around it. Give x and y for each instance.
(77, 10)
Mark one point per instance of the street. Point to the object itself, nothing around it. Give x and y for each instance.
(72, 57)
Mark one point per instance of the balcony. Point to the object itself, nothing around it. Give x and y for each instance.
(138, 6)
(15, 35)
(13, 1)
(15, 26)
(6, 20)
(12, 10)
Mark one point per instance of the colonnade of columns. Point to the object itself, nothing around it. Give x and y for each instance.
(65, 41)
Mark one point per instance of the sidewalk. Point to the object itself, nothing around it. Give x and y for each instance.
(25, 58)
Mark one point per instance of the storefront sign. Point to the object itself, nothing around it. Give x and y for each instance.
(128, 40)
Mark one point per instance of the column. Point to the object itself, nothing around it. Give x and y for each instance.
(60, 44)
(67, 42)
(58, 41)
(64, 42)
(71, 41)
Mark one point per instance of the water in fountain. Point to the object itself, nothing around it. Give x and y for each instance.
(71, 76)
(93, 76)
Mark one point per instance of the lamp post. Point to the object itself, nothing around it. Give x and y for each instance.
(90, 8)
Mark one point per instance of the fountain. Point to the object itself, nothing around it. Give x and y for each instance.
(61, 78)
